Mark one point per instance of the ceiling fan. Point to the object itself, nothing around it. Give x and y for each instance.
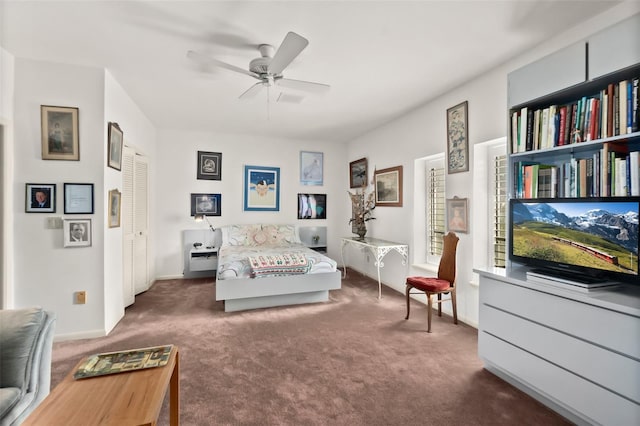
(269, 67)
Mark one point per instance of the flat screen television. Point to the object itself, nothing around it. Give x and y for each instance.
(312, 206)
(581, 239)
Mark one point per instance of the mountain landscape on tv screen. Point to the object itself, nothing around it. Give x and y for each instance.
(597, 236)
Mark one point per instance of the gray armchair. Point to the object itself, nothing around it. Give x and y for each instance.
(26, 339)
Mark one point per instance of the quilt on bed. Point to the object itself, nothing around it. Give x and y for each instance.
(271, 260)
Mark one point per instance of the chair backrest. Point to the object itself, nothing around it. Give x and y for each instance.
(447, 267)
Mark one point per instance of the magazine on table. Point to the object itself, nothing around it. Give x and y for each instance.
(123, 361)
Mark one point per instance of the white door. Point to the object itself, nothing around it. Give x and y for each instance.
(135, 208)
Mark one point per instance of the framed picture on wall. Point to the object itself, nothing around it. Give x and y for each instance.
(389, 187)
(60, 140)
(115, 198)
(209, 165)
(311, 168)
(114, 159)
(78, 198)
(261, 188)
(458, 215)
(457, 139)
(206, 204)
(312, 206)
(40, 198)
(77, 232)
(358, 173)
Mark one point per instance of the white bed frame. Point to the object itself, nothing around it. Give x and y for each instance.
(252, 293)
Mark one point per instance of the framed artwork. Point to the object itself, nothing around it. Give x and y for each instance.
(114, 160)
(60, 140)
(77, 232)
(358, 173)
(78, 198)
(206, 204)
(389, 187)
(261, 188)
(458, 215)
(311, 167)
(312, 206)
(209, 165)
(40, 198)
(457, 139)
(115, 197)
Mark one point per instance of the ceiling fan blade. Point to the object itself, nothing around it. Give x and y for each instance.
(252, 91)
(202, 58)
(307, 86)
(291, 47)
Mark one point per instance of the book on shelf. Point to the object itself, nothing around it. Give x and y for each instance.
(123, 361)
(622, 106)
(634, 172)
(635, 102)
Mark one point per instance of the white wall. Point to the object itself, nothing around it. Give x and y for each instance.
(139, 133)
(176, 180)
(46, 273)
(7, 65)
(422, 133)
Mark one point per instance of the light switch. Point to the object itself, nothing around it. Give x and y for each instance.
(54, 223)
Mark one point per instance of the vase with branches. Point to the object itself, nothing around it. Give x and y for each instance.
(362, 205)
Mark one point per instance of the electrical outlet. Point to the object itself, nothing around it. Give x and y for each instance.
(80, 297)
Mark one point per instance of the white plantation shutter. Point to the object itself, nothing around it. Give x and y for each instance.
(499, 210)
(435, 209)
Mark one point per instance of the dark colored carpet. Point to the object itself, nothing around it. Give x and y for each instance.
(351, 361)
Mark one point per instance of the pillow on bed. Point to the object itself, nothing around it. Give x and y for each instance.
(258, 235)
(278, 264)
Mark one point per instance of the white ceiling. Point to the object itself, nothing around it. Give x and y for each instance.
(381, 58)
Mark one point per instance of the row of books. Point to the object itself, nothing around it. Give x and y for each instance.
(607, 173)
(614, 110)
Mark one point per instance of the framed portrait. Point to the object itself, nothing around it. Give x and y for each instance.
(209, 165)
(40, 198)
(60, 135)
(261, 188)
(389, 187)
(78, 198)
(457, 138)
(77, 232)
(115, 136)
(311, 168)
(206, 204)
(358, 173)
(115, 198)
(312, 206)
(457, 215)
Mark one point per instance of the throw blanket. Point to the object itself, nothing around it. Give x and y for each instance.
(278, 264)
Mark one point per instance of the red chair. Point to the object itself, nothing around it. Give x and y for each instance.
(444, 283)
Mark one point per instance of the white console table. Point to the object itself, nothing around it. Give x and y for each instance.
(378, 248)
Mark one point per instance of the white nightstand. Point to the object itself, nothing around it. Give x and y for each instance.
(203, 259)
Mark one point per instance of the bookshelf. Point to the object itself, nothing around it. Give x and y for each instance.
(543, 339)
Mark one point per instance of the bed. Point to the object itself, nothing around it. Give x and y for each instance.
(266, 265)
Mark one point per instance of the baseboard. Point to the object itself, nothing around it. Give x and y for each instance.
(91, 334)
(168, 277)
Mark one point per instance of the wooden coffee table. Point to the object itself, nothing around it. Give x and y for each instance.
(132, 398)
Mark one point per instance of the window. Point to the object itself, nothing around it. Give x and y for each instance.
(499, 185)
(435, 186)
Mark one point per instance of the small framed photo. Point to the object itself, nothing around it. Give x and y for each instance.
(115, 198)
(40, 198)
(115, 135)
(78, 198)
(458, 215)
(358, 173)
(206, 204)
(77, 232)
(209, 165)
(261, 188)
(389, 187)
(457, 139)
(311, 168)
(60, 140)
(312, 206)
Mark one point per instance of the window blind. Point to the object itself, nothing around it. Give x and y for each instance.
(499, 210)
(435, 210)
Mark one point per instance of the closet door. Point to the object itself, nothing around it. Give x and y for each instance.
(128, 292)
(141, 220)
